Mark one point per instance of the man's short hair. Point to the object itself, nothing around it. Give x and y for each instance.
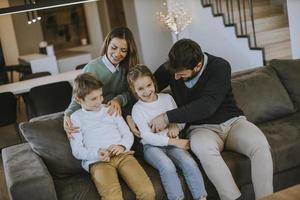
(84, 84)
(184, 54)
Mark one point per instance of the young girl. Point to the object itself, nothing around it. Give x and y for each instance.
(118, 54)
(163, 150)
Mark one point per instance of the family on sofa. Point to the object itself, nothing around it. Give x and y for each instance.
(201, 86)
(232, 154)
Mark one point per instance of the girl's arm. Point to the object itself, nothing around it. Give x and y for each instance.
(148, 136)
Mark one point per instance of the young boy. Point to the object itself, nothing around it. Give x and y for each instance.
(103, 144)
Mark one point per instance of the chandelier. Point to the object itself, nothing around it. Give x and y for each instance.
(174, 16)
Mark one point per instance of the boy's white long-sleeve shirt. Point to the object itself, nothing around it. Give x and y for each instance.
(97, 130)
(144, 112)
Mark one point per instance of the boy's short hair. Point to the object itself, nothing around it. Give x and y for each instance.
(184, 54)
(84, 84)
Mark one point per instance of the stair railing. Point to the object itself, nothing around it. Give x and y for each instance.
(238, 13)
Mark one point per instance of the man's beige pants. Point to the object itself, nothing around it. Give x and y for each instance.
(105, 177)
(239, 135)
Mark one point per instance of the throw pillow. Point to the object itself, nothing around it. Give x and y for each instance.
(261, 95)
(48, 139)
(289, 73)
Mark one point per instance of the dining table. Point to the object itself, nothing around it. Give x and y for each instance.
(25, 86)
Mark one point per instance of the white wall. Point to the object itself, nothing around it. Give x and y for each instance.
(94, 28)
(155, 41)
(131, 22)
(215, 39)
(293, 7)
(205, 29)
(8, 37)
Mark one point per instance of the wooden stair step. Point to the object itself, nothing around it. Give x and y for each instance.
(260, 12)
(272, 36)
(268, 23)
(278, 50)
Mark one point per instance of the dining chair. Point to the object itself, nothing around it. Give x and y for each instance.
(8, 116)
(25, 96)
(50, 98)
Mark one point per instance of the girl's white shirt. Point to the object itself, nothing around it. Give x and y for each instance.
(144, 112)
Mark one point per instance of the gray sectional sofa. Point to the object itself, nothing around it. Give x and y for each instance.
(44, 168)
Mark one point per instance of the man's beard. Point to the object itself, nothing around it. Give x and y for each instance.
(190, 78)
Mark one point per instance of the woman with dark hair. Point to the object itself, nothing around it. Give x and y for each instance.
(118, 54)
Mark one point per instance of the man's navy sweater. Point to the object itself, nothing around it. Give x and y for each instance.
(209, 101)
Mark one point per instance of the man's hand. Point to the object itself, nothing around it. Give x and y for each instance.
(173, 130)
(103, 155)
(180, 143)
(159, 123)
(114, 107)
(69, 127)
(115, 149)
(134, 129)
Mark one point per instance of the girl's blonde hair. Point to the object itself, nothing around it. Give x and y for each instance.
(131, 58)
(137, 72)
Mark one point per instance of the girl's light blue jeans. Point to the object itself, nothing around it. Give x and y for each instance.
(164, 159)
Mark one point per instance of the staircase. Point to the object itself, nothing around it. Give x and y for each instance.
(264, 23)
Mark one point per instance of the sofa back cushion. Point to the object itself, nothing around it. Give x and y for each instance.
(289, 74)
(261, 95)
(48, 139)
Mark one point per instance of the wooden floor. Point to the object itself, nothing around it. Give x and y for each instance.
(9, 137)
(291, 193)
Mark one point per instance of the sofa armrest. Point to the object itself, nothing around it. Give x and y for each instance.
(26, 175)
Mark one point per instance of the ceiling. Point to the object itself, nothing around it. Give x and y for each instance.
(20, 6)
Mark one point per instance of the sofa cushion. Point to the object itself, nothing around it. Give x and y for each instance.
(261, 95)
(289, 73)
(48, 139)
(284, 138)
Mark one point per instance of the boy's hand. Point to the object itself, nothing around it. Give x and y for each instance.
(115, 149)
(114, 107)
(104, 155)
(173, 131)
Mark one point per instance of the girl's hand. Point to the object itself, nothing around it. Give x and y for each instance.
(173, 130)
(114, 107)
(115, 149)
(134, 129)
(69, 127)
(103, 155)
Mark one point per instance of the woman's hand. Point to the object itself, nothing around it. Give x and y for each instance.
(69, 127)
(134, 129)
(114, 107)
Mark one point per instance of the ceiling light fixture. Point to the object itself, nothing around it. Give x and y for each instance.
(39, 5)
